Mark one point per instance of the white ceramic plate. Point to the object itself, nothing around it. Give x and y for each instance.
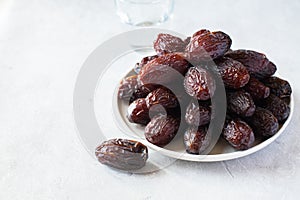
(99, 114)
(222, 151)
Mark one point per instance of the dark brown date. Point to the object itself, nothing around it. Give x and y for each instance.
(197, 113)
(122, 154)
(127, 87)
(264, 122)
(199, 83)
(161, 130)
(164, 69)
(138, 112)
(277, 106)
(162, 96)
(257, 63)
(257, 89)
(160, 110)
(196, 139)
(233, 73)
(201, 32)
(142, 91)
(138, 66)
(206, 45)
(278, 86)
(239, 134)
(166, 43)
(240, 103)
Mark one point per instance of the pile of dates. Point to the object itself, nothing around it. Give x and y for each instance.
(182, 77)
(257, 101)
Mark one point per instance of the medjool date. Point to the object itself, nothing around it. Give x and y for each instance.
(196, 139)
(206, 45)
(277, 106)
(138, 66)
(233, 73)
(239, 134)
(161, 130)
(278, 86)
(164, 69)
(142, 91)
(138, 112)
(127, 87)
(257, 89)
(199, 83)
(122, 154)
(197, 114)
(257, 63)
(240, 103)
(263, 122)
(166, 43)
(162, 96)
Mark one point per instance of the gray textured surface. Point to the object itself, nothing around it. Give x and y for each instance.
(42, 46)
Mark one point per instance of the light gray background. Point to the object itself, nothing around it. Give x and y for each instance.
(42, 47)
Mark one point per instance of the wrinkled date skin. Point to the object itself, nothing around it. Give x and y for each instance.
(257, 89)
(201, 32)
(196, 139)
(138, 112)
(162, 96)
(127, 87)
(142, 91)
(199, 83)
(122, 154)
(206, 45)
(264, 122)
(166, 43)
(197, 114)
(257, 63)
(277, 106)
(138, 66)
(164, 69)
(162, 129)
(240, 103)
(239, 134)
(234, 74)
(278, 86)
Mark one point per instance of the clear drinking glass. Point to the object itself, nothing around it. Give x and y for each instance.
(144, 12)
